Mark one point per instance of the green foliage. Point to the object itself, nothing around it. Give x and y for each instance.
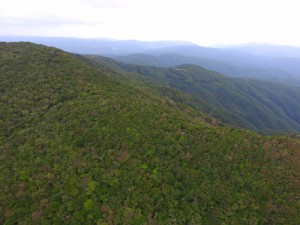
(88, 205)
(80, 145)
(250, 104)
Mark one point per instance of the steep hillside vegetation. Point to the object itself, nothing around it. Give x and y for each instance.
(251, 104)
(86, 146)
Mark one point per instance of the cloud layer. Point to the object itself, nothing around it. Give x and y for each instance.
(202, 21)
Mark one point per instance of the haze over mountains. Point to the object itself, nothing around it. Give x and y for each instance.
(98, 46)
(276, 63)
(269, 50)
(230, 61)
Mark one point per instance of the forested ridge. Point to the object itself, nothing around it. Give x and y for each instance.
(229, 69)
(86, 145)
(245, 103)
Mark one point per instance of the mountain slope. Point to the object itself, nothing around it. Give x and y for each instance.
(86, 146)
(235, 57)
(231, 70)
(250, 104)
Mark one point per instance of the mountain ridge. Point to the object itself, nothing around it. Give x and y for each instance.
(231, 70)
(219, 94)
(280, 66)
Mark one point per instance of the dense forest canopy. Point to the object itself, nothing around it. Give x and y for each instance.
(83, 144)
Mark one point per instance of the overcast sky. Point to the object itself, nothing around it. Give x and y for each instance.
(205, 22)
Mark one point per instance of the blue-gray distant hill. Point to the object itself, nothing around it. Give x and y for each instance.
(236, 57)
(274, 63)
(266, 50)
(98, 46)
(228, 69)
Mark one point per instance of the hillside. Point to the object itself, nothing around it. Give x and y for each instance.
(80, 145)
(290, 65)
(244, 103)
(228, 69)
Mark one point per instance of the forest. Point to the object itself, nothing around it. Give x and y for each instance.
(84, 141)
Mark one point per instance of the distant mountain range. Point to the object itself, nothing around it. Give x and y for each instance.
(290, 65)
(274, 63)
(98, 46)
(228, 69)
